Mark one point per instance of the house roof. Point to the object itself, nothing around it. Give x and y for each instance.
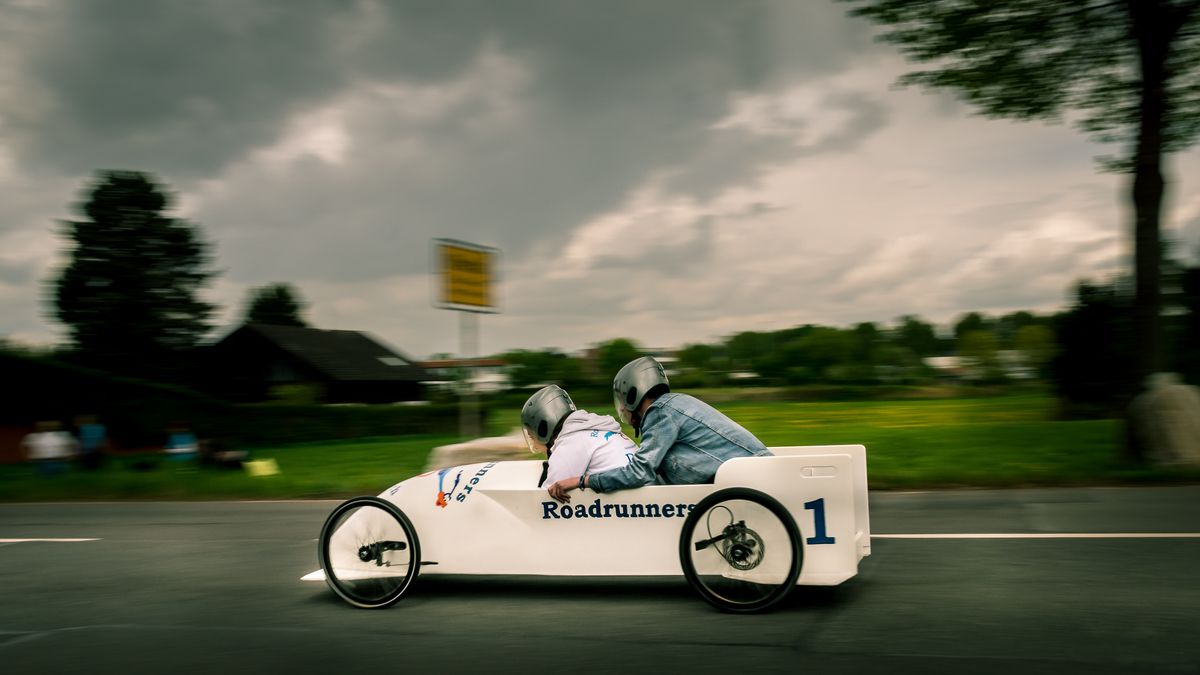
(344, 355)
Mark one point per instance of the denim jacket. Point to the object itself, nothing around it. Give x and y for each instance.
(683, 440)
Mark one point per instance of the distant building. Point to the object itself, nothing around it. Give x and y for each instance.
(667, 357)
(254, 361)
(950, 367)
(743, 376)
(484, 375)
(1016, 364)
(1008, 363)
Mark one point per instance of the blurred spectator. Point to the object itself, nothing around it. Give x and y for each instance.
(92, 436)
(49, 447)
(181, 442)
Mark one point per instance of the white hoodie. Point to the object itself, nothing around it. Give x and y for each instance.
(588, 444)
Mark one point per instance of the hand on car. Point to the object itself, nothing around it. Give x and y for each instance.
(559, 489)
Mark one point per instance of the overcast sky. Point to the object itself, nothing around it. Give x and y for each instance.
(668, 171)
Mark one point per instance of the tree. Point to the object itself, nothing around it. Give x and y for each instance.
(697, 357)
(972, 322)
(276, 304)
(1188, 339)
(1010, 325)
(815, 355)
(527, 368)
(1129, 65)
(867, 336)
(978, 348)
(752, 351)
(917, 336)
(1092, 369)
(130, 294)
(894, 363)
(1036, 345)
(701, 365)
(611, 356)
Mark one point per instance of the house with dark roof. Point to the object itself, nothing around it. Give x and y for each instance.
(346, 366)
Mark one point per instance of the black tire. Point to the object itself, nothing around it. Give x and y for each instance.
(358, 561)
(729, 567)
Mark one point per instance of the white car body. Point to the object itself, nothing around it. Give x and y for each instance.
(492, 519)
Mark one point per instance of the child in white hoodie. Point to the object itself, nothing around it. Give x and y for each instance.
(575, 441)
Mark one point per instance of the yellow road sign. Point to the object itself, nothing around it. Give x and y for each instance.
(466, 276)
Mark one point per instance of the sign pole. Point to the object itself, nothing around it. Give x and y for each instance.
(468, 410)
(467, 277)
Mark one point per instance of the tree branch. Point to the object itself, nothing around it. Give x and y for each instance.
(1087, 9)
(1180, 16)
(1187, 9)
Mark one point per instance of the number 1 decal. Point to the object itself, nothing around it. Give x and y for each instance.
(817, 506)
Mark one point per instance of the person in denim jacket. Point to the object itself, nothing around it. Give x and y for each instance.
(683, 439)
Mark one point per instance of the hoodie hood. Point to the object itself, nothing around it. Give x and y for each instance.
(582, 420)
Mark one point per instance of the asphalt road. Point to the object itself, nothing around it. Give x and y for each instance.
(213, 588)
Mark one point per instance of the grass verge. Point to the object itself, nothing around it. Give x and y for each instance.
(1009, 441)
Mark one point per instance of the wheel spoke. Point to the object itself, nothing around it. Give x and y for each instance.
(367, 549)
(740, 549)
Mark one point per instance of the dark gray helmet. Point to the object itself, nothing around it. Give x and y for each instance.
(542, 416)
(634, 382)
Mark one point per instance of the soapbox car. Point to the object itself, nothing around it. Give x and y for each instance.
(743, 542)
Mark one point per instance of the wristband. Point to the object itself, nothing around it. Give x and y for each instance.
(581, 481)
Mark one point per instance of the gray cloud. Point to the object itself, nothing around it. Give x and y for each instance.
(326, 143)
(613, 95)
(1186, 242)
(17, 273)
(179, 87)
(867, 115)
(186, 87)
(688, 258)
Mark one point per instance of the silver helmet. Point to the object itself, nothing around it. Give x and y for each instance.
(542, 416)
(633, 383)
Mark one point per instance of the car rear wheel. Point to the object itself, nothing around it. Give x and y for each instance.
(369, 551)
(740, 550)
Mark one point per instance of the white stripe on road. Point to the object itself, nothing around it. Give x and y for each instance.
(23, 541)
(1046, 535)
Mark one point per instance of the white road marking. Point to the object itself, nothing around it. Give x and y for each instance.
(28, 636)
(1046, 535)
(60, 540)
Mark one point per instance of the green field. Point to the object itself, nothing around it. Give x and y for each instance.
(1009, 441)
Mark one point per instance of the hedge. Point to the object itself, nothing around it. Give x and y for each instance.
(137, 413)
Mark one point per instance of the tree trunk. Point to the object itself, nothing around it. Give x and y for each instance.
(1153, 32)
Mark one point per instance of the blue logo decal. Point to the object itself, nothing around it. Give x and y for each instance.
(444, 495)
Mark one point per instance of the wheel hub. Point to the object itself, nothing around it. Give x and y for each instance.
(369, 552)
(745, 550)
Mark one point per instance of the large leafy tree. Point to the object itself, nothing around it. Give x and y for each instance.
(276, 304)
(527, 368)
(1089, 371)
(752, 351)
(972, 322)
(917, 336)
(129, 294)
(1127, 68)
(612, 355)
